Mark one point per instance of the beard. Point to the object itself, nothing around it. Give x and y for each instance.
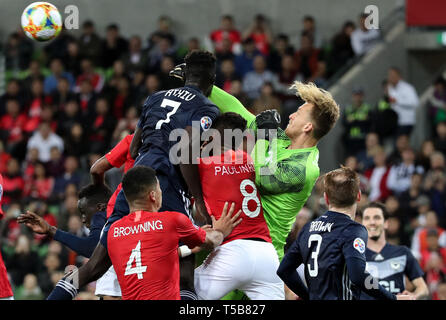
(375, 238)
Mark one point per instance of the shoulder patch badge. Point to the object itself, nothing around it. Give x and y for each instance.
(359, 245)
(205, 123)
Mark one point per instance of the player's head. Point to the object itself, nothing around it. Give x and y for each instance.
(316, 116)
(92, 198)
(230, 121)
(200, 70)
(142, 188)
(374, 218)
(341, 188)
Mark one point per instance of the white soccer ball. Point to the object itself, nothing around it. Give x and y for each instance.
(41, 21)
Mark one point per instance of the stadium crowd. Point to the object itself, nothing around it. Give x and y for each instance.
(70, 103)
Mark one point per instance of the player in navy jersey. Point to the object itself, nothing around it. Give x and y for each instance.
(162, 113)
(388, 263)
(91, 205)
(332, 248)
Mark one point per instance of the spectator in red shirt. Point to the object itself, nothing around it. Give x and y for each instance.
(101, 127)
(86, 98)
(420, 241)
(4, 158)
(88, 73)
(41, 186)
(309, 60)
(226, 31)
(377, 177)
(12, 124)
(35, 105)
(260, 32)
(32, 157)
(433, 262)
(13, 182)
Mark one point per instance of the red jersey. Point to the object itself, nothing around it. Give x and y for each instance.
(218, 36)
(5, 286)
(143, 249)
(233, 180)
(118, 156)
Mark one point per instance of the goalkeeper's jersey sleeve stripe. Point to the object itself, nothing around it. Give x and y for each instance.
(228, 103)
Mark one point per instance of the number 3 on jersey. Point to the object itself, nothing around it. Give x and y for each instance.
(168, 103)
(318, 239)
(139, 269)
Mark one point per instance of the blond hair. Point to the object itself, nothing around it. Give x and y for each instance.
(325, 112)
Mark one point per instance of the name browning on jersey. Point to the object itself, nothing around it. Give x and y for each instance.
(321, 226)
(229, 170)
(142, 227)
(179, 93)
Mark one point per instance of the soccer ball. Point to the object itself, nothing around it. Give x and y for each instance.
(41, 21)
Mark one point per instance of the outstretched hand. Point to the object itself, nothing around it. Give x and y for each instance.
(34, 222)
(227, 221)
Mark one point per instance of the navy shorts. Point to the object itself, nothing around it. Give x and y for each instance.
(174, 199)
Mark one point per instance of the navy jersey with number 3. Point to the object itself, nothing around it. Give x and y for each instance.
(323, 246)
(164, 112)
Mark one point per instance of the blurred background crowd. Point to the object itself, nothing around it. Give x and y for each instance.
(69, 102)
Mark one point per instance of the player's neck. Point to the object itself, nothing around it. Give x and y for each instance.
(377, 245)
(350, 211)
(302, 142)
(141, 206)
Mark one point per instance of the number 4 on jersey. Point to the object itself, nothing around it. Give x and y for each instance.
(139, 269)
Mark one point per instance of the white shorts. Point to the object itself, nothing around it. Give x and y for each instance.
(108, 284)
(247, 265)
(8, 298)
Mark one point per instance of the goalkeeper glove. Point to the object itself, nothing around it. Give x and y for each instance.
(178, 71)
(268, 120)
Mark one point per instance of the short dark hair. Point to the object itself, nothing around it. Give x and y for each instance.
(229, 120)
(96, 193)
(341, 187)
(308, 18)
(113, 26)
(138, 181)
(200, 64)
(377, 205)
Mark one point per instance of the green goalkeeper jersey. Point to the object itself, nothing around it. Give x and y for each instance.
(284, 177)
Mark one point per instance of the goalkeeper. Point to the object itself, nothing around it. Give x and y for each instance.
(286, 165)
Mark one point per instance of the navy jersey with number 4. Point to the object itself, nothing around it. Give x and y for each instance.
(164, 112)
(332, 249)
(390, 266)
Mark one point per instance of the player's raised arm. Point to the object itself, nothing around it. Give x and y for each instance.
(228, 103)
(98, 169)
(136, 143)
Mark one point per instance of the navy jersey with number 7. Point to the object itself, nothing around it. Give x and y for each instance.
(332, 249)
(164, 112)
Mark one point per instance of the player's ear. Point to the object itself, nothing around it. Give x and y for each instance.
(308, 127)
(359, 196)
(152, 196)
(327, 202)
(386, 224)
